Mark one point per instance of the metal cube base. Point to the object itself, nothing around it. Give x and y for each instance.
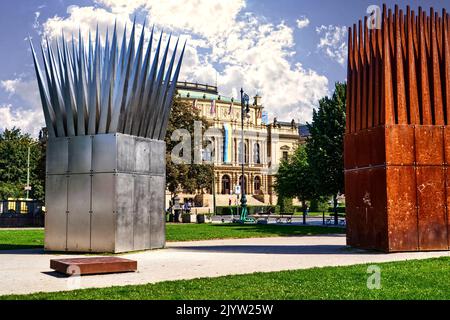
(105, 193)
(397, 195)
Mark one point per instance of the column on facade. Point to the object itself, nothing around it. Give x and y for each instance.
(250, 152)
(217, 151)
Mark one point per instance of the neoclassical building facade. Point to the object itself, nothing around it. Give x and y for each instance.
(265, 144)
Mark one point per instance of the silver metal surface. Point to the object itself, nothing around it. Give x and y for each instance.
(106, 107)
(142, 155)
(125, 212)
(80, 154)
(115, 205)
(157, 215)
(79, 217)
(107, 89)
(126, 153)
(104, 153)
(56, 216)
(103, 223)
(141, 224)
(57, 156)
(158, 162)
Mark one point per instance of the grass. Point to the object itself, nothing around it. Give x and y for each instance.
(186, 232)
(415, 279)
(24, 239)
(21, 239)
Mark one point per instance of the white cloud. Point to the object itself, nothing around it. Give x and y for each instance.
(333, 42)
(36, 23)
(26, 90)
(30, 121)
(27, 114)
(224, 41)
(302, 22)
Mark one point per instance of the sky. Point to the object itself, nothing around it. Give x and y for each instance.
(290, 52)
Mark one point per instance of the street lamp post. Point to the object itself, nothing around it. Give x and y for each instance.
(245, 109)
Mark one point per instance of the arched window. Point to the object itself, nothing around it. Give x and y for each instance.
(243, 188)
(257, 184)
(256, 153)
(226, 184)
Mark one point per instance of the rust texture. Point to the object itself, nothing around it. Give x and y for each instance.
(397, 142)
(94, 265)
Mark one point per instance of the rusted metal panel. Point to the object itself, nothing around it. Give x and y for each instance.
(377, 146)
(362, 199)
(399, 191)
(362, 148)
(351, 180)
(378, 199)
(349, 151)
(447, 202)
(429, 142)
(400, 145)
(402, 208)
(447, 144)
(431, 208)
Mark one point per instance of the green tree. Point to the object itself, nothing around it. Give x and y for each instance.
(325, 146)
(189, 177)
(13, 165)
(293, 179)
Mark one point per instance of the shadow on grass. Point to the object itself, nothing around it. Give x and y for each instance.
(281, 230)
(13, 247)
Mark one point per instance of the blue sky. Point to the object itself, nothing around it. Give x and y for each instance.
(290, 52)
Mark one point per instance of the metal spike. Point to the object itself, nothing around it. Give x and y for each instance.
(170, 95)
(49, 114)
(143, 76)
(132, 96)
(148, 92)
(162, 97)
(98, 89)
(157, 93)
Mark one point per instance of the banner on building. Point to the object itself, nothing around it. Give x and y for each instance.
(227, 146)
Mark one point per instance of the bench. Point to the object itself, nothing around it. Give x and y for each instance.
(278, 217)
(330, 219)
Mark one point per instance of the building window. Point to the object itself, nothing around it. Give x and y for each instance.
(257, 185)
(285, 155)
(226, 183)
(245, 153)
(256, 153)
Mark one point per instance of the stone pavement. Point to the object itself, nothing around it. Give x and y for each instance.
(27, 271)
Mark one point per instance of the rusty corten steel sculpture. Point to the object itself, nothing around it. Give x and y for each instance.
(397, 142)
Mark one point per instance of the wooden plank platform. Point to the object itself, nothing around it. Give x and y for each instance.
(95, 265)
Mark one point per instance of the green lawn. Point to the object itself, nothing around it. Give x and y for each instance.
(22, 239)
(419, 279)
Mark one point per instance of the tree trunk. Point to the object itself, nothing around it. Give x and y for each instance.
(335, 206)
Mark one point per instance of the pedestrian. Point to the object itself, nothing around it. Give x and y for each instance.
(189, 206)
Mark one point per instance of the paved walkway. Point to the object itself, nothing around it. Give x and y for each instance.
(27, 271)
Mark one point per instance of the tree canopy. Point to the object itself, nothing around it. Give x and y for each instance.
(294, 176)
(189, 177)
(316, 170)
(13, 165)
(325, 146)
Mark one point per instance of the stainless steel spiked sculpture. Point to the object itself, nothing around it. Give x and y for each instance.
(106, 107)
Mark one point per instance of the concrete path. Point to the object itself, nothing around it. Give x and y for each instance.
(27, 271)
